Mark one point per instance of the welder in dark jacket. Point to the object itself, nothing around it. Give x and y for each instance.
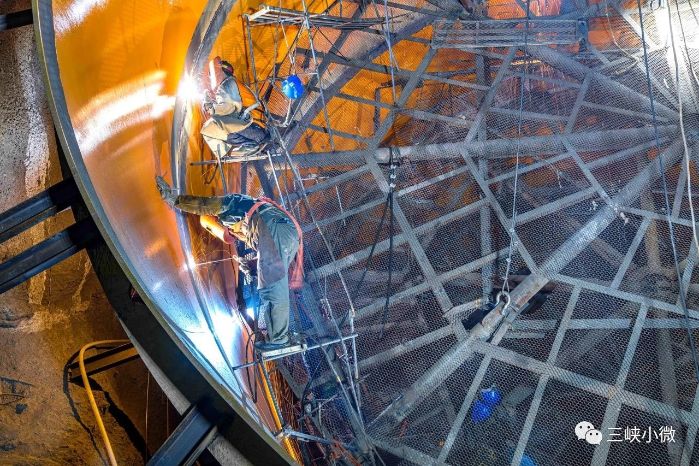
(267, 228)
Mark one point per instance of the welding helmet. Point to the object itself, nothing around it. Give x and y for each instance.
(227, 68)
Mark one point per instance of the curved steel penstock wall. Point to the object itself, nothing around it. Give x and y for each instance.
(113, 70)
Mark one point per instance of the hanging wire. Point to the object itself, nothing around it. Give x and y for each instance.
(681, 118)
(307, 26)
(388, 206)
(506, 281)
(693, 74)
(391, 188)
(352, 373)
(668, 212)
(296, 176)
(613, 36)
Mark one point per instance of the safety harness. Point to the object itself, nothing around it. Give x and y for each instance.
(296, 267)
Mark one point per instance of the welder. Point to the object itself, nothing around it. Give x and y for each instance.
(230, 126)
(267, 228)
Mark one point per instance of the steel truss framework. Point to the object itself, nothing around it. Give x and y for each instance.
(471, 158)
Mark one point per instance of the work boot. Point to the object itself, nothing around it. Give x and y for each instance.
(265, 346)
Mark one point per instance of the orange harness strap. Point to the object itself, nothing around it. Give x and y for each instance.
(296, 268)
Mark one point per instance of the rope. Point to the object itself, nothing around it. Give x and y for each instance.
(668, 213)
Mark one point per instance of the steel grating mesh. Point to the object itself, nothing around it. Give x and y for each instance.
(609, 344)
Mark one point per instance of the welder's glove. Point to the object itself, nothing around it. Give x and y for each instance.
(243, 267)
(208, 102)
(247, 267)
(166, 192)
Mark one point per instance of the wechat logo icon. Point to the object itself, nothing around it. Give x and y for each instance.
(586, 430)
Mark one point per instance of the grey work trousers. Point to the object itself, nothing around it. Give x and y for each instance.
(278, 243)
(276, 240)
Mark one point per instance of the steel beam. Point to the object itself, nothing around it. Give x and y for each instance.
(329, 183)
(47, 253)
(570, 124)
(555, 206)
(505, 221)
(541, 386)
(625, 295)
(656, 216)
(403, 451)
(189, 439)
(559, 83)
(513, 112)
(499, 148)
(307, 109)
(463, 411)
(16, 19)
(407, 230)
(626, 153)
(398, 239)
(630, 253)
(625, 112)
(462, 351)
(103, 361)
(414, 79)
(625, 95)
(446, 276)
(591, 230)
(32, 211)
(527, 168)
(355, 137)
(406, 347)
(375, 202)
(419, 253)
(490, 96)
(585, 383)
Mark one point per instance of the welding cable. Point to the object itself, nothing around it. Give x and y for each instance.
(682, 298)
(369, 259)
(251, 381)
(91, 396)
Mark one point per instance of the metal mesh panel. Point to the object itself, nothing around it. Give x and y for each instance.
(556, 160)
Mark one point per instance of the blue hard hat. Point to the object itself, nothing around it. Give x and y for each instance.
(292, 87)
(480, 411)
(491, 396)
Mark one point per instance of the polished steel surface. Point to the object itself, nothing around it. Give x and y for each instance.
(113, 70)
